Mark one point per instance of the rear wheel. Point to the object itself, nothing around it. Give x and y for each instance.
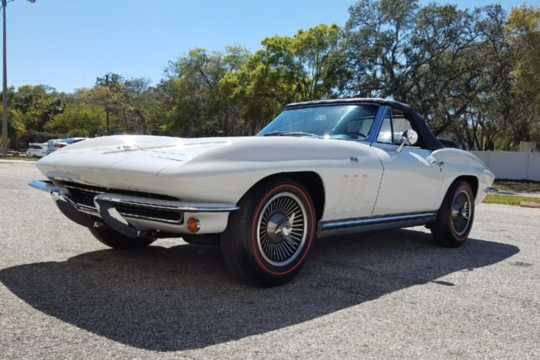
(455, 217)
(268, 238)
(113, 239)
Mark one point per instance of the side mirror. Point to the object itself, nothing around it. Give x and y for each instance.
(410, 137)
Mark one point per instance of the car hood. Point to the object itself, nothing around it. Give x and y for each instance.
(155, 163)
(180, 148)
(126, 161)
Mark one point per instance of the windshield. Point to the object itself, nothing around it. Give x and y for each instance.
(336, 121)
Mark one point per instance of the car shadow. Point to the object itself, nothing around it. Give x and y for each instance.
(183, 297)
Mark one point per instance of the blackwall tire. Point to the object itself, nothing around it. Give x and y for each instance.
(268, 239)
(455, 217)
(115, 240)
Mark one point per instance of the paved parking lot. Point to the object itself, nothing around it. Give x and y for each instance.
(386, 295)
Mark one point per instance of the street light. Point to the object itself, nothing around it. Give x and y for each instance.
(4, 86)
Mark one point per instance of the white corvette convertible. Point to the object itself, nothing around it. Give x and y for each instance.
(321, 168)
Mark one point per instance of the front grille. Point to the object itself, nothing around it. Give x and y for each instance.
(147, 213)
(83, 196)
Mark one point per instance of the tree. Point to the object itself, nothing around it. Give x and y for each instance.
(29, 109)
(199, 107)
(83, 120)
(488, 121)
(430, 57)
(38, 104)
(16, 130)
(124, 98)
(287, 69)
(523, 36)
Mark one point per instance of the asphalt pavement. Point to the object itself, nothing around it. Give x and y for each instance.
(387, 295)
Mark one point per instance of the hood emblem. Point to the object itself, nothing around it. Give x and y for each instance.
(122, 148)
(128, 147)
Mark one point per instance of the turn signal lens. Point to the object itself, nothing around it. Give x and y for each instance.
(193, 225)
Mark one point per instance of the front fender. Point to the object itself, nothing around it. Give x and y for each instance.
(458, 163)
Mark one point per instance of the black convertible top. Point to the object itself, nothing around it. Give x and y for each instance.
(430, 141)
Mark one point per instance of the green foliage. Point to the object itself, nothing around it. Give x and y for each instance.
(509, 199)
(29, 109)
(523, 29)
(125, 99)
(16, 129)
(447, 63)
(80, 120)
(197, 106)
(287, 69)
(523, 36)
(39, 104)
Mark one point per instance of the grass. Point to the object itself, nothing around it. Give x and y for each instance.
(518, 186)
(509, 200)
(26, 158)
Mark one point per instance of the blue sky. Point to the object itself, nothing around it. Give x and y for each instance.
(68, 43)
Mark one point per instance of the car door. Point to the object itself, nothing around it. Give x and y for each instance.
(351, 188)
(412, 178)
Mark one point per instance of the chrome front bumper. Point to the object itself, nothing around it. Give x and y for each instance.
(134, 215)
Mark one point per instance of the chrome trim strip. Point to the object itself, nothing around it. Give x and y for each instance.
(87, 209)
(82, 189)
(49, 187)
(162, 204)
(379, 220)
(134, 216)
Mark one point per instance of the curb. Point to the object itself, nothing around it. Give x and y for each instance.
(532, 205)
(512, 193)
(4, 161)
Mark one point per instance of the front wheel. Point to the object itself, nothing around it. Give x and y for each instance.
(269, 237)
(455, 217)
(114, 239)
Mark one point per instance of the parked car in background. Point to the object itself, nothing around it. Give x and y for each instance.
(37, 149)
(55, 144)
(321, 168)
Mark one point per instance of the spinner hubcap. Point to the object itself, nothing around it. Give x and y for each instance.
(282, 229)
(461, 213)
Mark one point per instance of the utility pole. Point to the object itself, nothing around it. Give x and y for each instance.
(107, 106)
(4, 85)
(4, 89)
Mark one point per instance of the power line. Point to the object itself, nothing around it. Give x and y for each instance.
(35, 80)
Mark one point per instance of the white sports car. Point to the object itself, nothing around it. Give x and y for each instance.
(321, 168)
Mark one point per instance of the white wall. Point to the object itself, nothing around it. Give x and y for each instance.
(512, 165)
